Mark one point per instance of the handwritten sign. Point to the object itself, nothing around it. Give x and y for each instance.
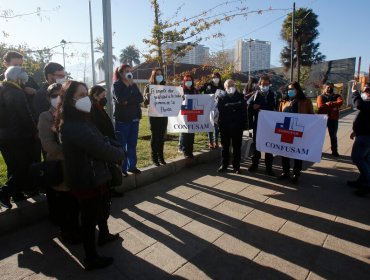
(165, 101)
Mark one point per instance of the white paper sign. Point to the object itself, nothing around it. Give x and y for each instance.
(165, 101)
(298, 136)
(194, 116)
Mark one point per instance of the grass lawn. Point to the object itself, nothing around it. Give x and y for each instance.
(143, 147)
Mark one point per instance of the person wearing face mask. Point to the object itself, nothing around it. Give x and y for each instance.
(54, 73)
(329, 103)
(17, 134)
(58, 196)
(127, 114)
(361, 133)
(210, 88)
(186, 141)
(158, 125)
(294, 102)
(86, 156)
(232, 115)
(262, 99)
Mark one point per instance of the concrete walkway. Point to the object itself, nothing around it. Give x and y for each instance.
(200, 225)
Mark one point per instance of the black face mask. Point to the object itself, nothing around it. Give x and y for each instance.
(103, 101)
(330, 90)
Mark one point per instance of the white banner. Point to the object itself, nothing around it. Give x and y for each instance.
(165, 101)
(194, 115)
(298, 136)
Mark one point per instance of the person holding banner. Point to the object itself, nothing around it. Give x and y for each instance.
(187, 139)
(232, 114)
(262, 99)
(361, 132)
(213, 87)
(329, 103)
(158, 125)
(127, 114)
(294, 102)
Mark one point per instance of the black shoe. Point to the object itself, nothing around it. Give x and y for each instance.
(237, 171)
(97, 262)
(335, 154)
(71, 238)
(354, 184)
(156, 163)
(295, 179)
(162, 161)
(124, 174)
(270, 172)
(283, 176)
(107, 238)
(5, 201)
(253, 167)
(222, 169)
(135, 171)
(19, 197)
(114, 193)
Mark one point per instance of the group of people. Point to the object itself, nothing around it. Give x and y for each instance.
(66, 122)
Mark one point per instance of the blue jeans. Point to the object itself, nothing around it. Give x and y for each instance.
(128, 133)
(361, 157)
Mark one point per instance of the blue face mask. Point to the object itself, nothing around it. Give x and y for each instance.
(159, 78)
(291, 93)
(188, 84)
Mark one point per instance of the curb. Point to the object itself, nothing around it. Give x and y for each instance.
(36, 209)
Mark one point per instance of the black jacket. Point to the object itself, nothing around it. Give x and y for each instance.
(211, 88)
(86, 153)
(102, 121)
(16, 121)
(232, 111)
(361, 125)
(40, 101)
(127, 102)
(265, 100)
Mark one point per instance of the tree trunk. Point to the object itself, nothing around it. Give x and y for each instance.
(158, 33)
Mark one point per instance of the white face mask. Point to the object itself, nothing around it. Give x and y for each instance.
(83, 104)
(55, 101)
(129, 76)
(364, 96)
(60, 81)
(231, 90)
(216, 81)
(188, 84)
(264, 88)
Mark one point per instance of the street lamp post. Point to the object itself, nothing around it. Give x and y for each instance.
(63, 44)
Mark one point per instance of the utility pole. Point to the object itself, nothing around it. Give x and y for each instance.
(249, 59)
(292, 47)
(92, 47)
(108, 62)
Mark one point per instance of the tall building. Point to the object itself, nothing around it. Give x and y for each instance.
(197, 55)
(259, 52)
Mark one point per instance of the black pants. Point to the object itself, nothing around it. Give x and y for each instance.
(158, 127)
(187, 143)
(18, 156)
(286, 165)
(257, 154)
(235, 137)
(333, 129)
(94, 211)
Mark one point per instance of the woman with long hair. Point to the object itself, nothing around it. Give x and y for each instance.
(294, 102)
(86, 156)
(127, 114)
(158, 125)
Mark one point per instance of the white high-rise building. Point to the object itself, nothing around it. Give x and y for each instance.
(197, 55)
(258, 51)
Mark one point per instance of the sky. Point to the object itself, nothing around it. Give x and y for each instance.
(342, 26)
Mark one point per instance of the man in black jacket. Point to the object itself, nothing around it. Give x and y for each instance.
(17, 134)
(361, 132)
(262, 99)
(232, 116)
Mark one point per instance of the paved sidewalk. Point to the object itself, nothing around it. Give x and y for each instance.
(200, 225)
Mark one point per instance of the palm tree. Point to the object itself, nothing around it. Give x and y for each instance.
(100, 49)
(130, 55)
